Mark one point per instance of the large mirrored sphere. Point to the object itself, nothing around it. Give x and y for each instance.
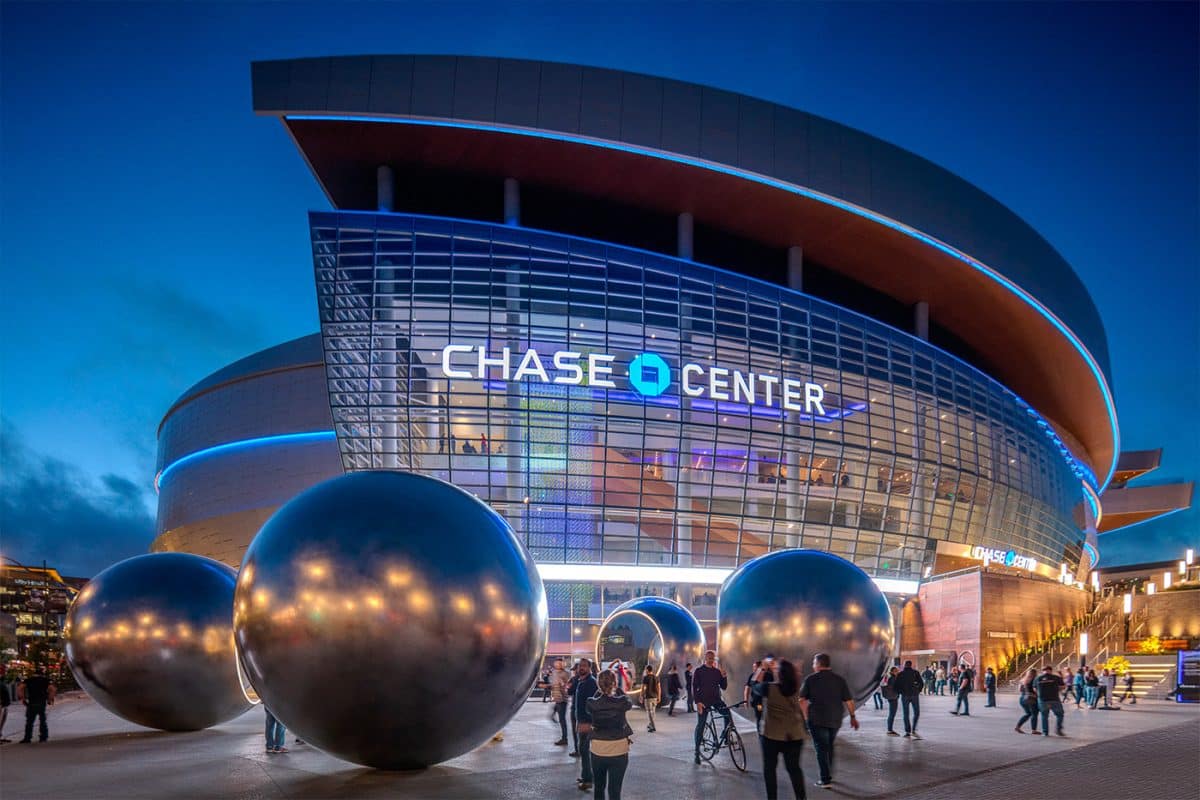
(151, 640)
(650, 630)
(797, 603)
(390, 619)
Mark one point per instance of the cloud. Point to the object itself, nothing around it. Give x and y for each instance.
(51, 510)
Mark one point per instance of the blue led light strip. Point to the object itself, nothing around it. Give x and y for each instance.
(792, 189)
(1095, 555)
(243, 444)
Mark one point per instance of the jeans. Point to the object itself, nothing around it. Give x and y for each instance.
(823, 744)
(1030, 707)
(941, 687)
(991, 698)
(964, 701)
(771, 750)
(561, 710)
(892, 713)
(1046, 706)
(1080, 694)
(878, 698)
(1128, 693)
(276, 734)
(610, 773)
(691, 699)
(574, 731)
(1089, 695)
(913, 701)
(38, 711)
(674, 700)
(702, 719)
(585, 757)
(1070, 691)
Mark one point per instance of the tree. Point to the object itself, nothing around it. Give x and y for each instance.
(1150, 646)
(1117, 665)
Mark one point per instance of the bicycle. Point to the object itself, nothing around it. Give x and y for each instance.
(711, 741)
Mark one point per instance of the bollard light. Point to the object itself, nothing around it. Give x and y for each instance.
(1128, 603)
(1083, 644)
(1183, 568)
(1096, 581)
(1150, 587)
(1167, 579)
(1189, 556)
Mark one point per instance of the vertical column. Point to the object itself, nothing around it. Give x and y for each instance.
(512, 202)
(684, 234)
(385, 188)
(795, 268)
(921, 320)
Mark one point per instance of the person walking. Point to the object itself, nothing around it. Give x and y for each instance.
(782, 727)
(609, 737)
(275, 733)
(687, 684)
(989, 685)
(674, 688)
(965, 678)
(1126, 681)
(928, 676)
(585, 689)
(940, 679)
(1029, 702)
(908, 686)
(707, 683)
(6, 698)
(558, 693)
(1091, 688)
(823, 696)
(651, 694)
(1049, 690)
(572, 685)
(887, 690)
(1080, 686)
(750, 693)
(1108, 687)
(1069, 681)
(36, 692)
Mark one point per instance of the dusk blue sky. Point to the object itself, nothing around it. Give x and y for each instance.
(152, 229)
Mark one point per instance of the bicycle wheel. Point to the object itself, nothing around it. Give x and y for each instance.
(709, 743)
(733, 741)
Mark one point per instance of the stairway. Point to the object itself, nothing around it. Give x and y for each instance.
(1153, 676)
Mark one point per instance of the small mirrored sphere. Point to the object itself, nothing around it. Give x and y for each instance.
(151, 640)
(390, 619)
(650, 630)
(794, 604)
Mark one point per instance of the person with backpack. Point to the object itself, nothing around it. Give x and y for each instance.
(651, 694)
(887, 688)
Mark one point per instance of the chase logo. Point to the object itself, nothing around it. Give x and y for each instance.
(1010, 558)
(649, 374)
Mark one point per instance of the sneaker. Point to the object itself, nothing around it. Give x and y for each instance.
(281, 750)
(584, 786)
(25, 741)
(916, 735)
(1036, 733)
(574, 754)
(893, 733)
(1060, 733)
(965, 714)
(824, 784)
(1018, 729)
(955, 713)
(560, 743)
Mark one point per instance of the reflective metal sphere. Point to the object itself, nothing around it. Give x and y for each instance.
(151, 640)
(797, 603)
(651, 630)
(391, 619)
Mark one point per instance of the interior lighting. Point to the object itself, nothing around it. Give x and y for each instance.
(1083, 644)
(1150, 587)
(1189, 556)
(1167, 579)
(1128, 603)
(1096, 581)
(1183, 568)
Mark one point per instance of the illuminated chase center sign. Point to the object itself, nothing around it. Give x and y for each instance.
(649, 376)
(1008, 558)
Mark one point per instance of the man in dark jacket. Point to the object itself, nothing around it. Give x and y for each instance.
(965, 683)
(707, 683)
(909, 684)
(585, 689)
(989, 684)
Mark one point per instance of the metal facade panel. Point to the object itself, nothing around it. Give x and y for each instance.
(269, 84)
(475, 89)
(791, 145)
(756, 136)
(391, 85)
(349, 84)
(517, 92)
(719, 126)
(642, 110)
(558, 97)
(681, 118)
(433, 86)
(308, 88)
(600, 111)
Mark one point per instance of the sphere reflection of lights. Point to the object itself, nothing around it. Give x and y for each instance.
(651, 630)
(150, 639)
(797, 603)
(390, 619)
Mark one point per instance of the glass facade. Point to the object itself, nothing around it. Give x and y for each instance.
(757, 418)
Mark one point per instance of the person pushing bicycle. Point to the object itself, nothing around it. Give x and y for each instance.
(707, 683)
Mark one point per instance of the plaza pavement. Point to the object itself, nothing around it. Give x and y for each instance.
(1151, 750)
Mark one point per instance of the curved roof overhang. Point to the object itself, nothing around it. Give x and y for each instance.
(1024, 344)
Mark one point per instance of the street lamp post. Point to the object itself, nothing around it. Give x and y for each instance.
(1128, 608)
(1083, 649)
